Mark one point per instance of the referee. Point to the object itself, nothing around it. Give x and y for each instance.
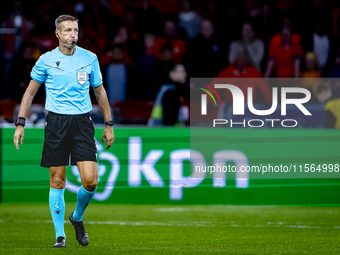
(68, 71)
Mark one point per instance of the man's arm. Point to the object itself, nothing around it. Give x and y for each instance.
(297, 62)
(25, 106)
(103, 103)
(269, 69)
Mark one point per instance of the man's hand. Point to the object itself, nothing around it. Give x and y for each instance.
(105, 108)
(108, 134)
(25, 106)
(19, 134)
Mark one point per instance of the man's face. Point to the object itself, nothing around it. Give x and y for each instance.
(207, 29)
(247, 32)
(179, 74)
(149, 40)
(169, 28)
(286, 36)
(69, 32)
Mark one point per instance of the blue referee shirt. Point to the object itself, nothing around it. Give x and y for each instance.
(67, 80)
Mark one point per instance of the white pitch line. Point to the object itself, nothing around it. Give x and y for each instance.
(178, 209)
(181, 224)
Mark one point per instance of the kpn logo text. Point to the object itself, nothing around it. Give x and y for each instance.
(238, 106)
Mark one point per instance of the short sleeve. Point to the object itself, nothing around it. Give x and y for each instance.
(96, 78)
(38, 72)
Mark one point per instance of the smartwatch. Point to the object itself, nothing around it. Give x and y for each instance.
(109, 123)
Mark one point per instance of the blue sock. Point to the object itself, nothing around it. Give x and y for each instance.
(83, 199)
(57, 207)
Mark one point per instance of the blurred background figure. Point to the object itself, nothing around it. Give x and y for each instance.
(148, 63)
(169, 107)
(322, 91)
(264, 23)
(119, 77)
(170, 37)
(334, 71)
(284, 55)
(330, 95)
(311, 66)
(321, 43)
(242, 69)
(11, 42)
(43, 34)
(205, 53)
(164, 64)
(189, 20)
(252, 46)
(151, 18)
(19, 75)
(122, 36)
(312, 71)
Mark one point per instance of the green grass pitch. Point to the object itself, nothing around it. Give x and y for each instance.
(153, 229)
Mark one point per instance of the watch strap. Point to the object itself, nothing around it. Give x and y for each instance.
(20, 122)
(109, 123)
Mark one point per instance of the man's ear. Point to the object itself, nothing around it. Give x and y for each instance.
(171, 74)
(57, 33)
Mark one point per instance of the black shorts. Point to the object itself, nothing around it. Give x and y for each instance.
(68, 135)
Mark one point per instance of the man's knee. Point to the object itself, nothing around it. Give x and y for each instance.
(90, 186)
(57, 177)
(58, 181)
(89, 174)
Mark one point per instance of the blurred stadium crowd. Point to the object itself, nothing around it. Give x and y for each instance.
(138, 42)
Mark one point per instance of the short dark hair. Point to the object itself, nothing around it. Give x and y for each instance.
(173, 67)
(62, 18)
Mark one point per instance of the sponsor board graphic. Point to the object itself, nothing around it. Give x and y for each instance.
(170, 166)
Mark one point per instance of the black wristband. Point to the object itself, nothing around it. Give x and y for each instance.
(20, 122)
(109, 123)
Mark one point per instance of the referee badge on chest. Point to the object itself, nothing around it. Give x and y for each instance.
(82, 77)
